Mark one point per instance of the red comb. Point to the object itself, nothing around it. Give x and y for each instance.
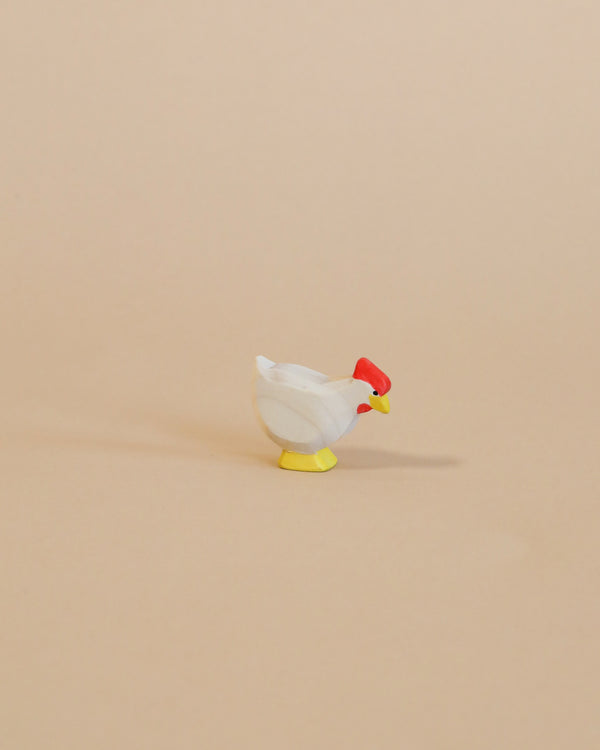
(371, 374)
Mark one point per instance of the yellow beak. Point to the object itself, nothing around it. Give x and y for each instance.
(381, 403)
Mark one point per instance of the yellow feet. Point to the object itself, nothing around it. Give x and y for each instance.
(322, 460)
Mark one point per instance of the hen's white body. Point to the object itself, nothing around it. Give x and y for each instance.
(303, 410)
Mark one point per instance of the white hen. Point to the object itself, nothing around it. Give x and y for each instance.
(304, 411)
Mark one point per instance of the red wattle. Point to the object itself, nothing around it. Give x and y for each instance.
(362, 408)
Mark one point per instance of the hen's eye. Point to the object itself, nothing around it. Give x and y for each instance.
(375, 393)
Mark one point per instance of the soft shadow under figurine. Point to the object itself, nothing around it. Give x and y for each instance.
(373, 458)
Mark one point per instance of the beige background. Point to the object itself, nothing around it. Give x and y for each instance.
(187, 184)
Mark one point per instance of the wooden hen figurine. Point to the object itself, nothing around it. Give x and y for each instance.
(304, 411)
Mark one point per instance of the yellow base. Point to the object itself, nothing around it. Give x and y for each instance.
(322, 460)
